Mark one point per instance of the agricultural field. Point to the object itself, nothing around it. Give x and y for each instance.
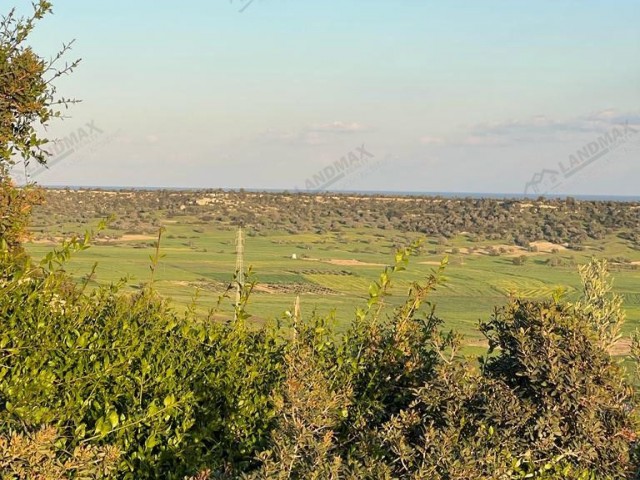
(329, 268)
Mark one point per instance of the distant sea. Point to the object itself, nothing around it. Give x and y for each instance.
(499, 196)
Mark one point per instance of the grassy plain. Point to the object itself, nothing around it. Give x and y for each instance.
(332, 271)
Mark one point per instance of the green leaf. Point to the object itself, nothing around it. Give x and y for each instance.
(114, 419)
(169, 401)
(151, 442)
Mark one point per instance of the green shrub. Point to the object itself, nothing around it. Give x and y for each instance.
(172, 393)
(393, 400)
(551, 404)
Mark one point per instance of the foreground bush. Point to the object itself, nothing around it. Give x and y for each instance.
(171, 393)
(177, 395)
(551, 404)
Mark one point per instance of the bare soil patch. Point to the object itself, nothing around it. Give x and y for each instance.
(547, 247)
(132, 237)
(622, 347)
(45, 241)
(353, 263)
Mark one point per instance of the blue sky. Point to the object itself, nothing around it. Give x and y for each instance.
(464, 96)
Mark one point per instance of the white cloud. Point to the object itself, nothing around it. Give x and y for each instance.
(534, 128)
(538, 129)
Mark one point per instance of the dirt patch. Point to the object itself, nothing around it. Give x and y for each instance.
(45, 241)
(547, 247)
(511, 250)
(622, 347)
(353, 263)
(505, 250)
(430, 263)
(133, 237)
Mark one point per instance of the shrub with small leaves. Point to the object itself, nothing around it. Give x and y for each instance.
(41, 455)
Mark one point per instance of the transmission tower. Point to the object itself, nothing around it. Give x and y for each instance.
(239, 264)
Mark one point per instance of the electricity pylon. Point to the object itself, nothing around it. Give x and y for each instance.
(239, 267)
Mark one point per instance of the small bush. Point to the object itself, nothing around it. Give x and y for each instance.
(40, 456)
(520, 260)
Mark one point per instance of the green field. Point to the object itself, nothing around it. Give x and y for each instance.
(331, 271)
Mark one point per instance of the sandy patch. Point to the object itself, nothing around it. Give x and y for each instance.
(486, 250)
(623, 347)
(547, 247)
(635, 263)
(430, 263)
(260, 287)
(510, 250)
(44, 241)
(353, 263)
